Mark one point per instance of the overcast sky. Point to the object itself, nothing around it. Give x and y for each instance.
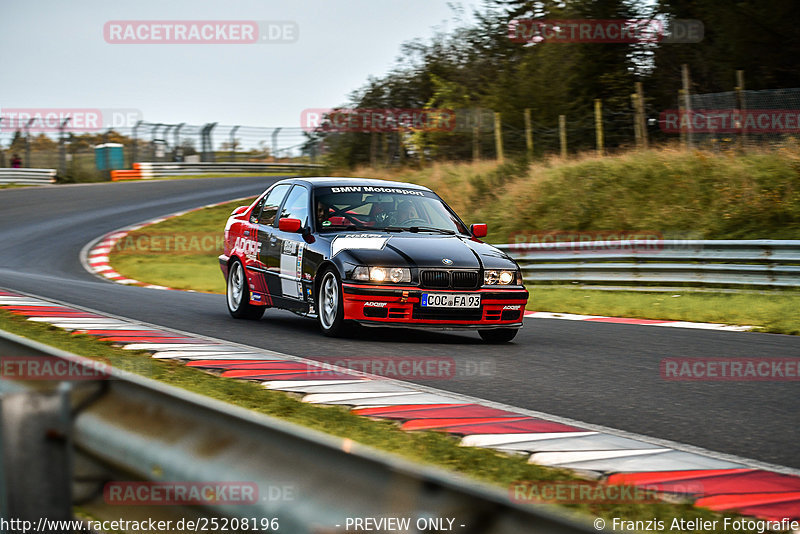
(55, 56)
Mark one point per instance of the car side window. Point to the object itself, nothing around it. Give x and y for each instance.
(271, 204)
(296, 205)
(257, 210)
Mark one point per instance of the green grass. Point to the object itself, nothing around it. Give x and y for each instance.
(698, 194)
(425, 447)
(190, 267)
(768, 311)
(15, 186)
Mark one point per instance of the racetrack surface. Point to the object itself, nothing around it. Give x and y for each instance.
(600, 373)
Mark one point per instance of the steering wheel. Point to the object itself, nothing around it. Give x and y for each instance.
(411, 221)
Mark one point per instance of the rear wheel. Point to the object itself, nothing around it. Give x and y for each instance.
(238, 294)
(330, 305)
(498, 335)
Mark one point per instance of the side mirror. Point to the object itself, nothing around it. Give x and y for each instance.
(289, 225)
(479, 229)
(239, 210)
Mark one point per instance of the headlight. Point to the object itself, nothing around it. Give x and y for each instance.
(382, 274)
(499, 277)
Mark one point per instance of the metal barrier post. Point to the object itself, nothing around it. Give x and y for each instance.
(36, 456)
(178, 151)
(233, 143)
(135, 145)
(275, 133)
(62, 149)
(28, 143)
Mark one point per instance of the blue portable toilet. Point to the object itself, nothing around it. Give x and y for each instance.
(109, 156)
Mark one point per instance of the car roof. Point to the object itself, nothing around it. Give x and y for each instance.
(327, 181)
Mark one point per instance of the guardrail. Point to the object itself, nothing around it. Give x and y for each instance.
(27, 176)
(62, 436)
(761, 262)
(145, 171)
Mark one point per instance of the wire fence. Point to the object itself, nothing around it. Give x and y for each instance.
(734, 119)
(76, 157)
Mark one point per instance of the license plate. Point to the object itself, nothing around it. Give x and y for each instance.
(450, 300)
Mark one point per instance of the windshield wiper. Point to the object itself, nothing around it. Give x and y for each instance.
(416, 229)
(346, 227)
(431, 229)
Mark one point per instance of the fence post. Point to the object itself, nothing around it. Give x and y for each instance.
(637, 125)
(562, 134)
(178, 154)
(476, 137)
(36, 463)
(211, 156)
(28, 143)
(135, 145)
(681, 115)
(687, 103)
(62, 149)
(598, 125)
(107, 156)
(498, 137)
(233, 142)
(153, 134)
(742, 107)
(275, 133)
(401, 145)
(528, 132)
(640, 115)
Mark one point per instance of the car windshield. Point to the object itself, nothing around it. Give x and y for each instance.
(384, 208)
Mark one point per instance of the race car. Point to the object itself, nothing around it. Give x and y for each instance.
(372, 252)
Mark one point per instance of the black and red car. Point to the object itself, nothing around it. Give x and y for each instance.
(373, 252)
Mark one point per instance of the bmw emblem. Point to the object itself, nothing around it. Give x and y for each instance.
(447, 261)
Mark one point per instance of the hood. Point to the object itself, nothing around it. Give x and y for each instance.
(424, 251)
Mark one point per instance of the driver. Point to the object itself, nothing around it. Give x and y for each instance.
(406, 212)
(323, 211)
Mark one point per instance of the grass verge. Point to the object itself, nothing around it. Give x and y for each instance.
(679, 193)
(426, 447)
(180, 252)
(774, 312)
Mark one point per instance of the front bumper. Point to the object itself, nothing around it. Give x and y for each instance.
(400, 306)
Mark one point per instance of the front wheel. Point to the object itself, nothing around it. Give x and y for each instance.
(330, 305)
(238, 294)
(498, 335)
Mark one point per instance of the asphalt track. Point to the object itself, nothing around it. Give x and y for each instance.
(599, 373)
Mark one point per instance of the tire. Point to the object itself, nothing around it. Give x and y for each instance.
(498, 335)
(330, 305)
(237, 294)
